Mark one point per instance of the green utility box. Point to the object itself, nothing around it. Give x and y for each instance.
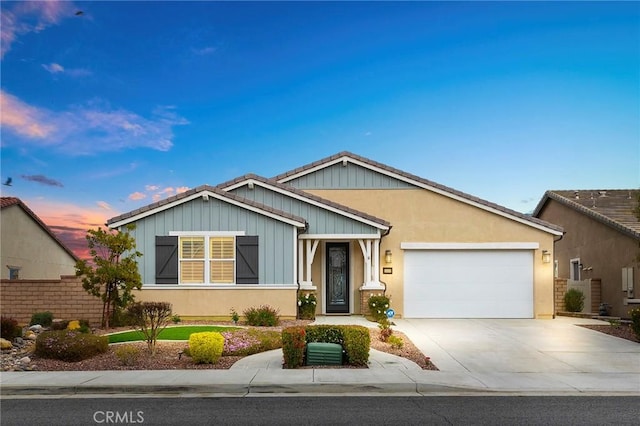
(324, 354)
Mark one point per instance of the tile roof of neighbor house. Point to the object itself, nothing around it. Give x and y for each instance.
(613, 207)
(13, 201)
(306, 195)
(202, 188)
(417, 179)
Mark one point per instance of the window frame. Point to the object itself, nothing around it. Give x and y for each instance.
(575, 263)
(208, 260)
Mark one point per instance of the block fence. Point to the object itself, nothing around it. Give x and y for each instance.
(560, 288)
(64, 298)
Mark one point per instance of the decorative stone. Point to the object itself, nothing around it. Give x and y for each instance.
(29, 335)
(36, 328)
(5, 344)
(25, 360)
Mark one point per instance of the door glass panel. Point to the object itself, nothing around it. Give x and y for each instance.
(337, 276)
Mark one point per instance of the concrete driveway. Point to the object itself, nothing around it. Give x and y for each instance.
(521, 346)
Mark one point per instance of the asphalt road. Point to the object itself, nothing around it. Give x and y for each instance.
(339, 410)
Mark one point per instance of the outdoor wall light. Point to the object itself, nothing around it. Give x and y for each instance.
(546, 256)
(387, 256)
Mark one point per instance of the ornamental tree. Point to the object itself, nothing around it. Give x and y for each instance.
(112, 273)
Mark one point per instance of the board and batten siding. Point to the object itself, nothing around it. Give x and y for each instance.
(276, 243)
(321, 221)
(352, 176)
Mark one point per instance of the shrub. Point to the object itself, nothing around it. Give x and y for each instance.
(250, 341)
(150, 318)
(73, 325)
(395, 342)
(385, 329)
(234, 316)
(293, 344)
(127, 354)
(206, 347)
(59, 324)
(635, 321)
(9, 328)
(573, 300)
(43, 318)
(356, 344)
(70, 346)
(324, 333)
(307, 306)
(264, 315)
(176, 318)
(378, 306)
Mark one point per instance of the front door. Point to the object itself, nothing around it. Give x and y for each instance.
(337, 285)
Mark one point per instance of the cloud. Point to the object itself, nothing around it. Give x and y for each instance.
(54, 68)
(151, 187)
(137, 196)
(87, 129)
(182, 189)
(104, 205)
(42, 179)
(30, 17)
(204, 50)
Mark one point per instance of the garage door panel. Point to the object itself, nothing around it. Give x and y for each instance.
(468, 284)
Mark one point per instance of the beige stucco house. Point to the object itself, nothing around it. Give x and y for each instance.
(602, 240)
(29, 249)
(344, 227)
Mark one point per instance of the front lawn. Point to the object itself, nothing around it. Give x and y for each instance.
(170, 333)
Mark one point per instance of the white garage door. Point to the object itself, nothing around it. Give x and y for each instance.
(468, 284)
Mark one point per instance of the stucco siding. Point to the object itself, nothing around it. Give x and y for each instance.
(26, 245)
(419, 215)
(321, 221)
(352, 176)
(276, 257)
(599, 247)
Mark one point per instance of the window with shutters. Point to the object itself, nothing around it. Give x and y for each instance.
(192, 260)
(223, 262)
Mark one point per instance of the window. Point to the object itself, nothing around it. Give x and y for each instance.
(207, 259)
(14, 272)
(574, 270)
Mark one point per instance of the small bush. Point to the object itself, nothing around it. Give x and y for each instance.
(385, 329)
(307, 306)
(70, 346)
(9, 328)
(395, 342)
(234, 316)
(60, 324)
(264, 316)
(150, 318)
(356, 344)
(573, 300)
(293, 345)
(250, 341)
(176, 318)
(73, 325)
(43, 318)
(324, 333)
(378, 306)
(206, 347)
(635, 321)
(127, 354)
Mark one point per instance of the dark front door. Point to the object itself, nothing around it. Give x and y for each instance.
(337, 294)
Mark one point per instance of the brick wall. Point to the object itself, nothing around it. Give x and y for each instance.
(559, 289)
(596, 294)
(65, 298)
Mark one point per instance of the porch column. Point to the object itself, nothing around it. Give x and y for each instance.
(371, 266)
(310, 252)
(300, 262)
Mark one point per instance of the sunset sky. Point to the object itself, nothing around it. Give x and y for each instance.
(109, 106)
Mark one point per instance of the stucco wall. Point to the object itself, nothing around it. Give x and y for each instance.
(24, 244)
(419, 215)
(599, 247)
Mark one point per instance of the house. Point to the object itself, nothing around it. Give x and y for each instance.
(344, 227)
(29, 249)
(602, 237)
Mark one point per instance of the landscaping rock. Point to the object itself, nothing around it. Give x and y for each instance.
(36, 328)
(5, 344)
(29, 335)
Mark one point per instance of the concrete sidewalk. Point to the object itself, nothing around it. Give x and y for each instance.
(474, 356)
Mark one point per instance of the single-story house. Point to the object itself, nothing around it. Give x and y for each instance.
(602, 240)
(28, 247)
(344, 227)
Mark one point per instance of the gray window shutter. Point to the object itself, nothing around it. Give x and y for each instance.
(247, 259)
(166, 260)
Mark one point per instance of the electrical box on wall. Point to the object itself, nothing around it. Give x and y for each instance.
(627, 281)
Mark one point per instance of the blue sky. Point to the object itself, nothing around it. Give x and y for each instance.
(130, 102)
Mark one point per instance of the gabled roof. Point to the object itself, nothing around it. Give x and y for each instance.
(613, 207)
(13, 201)
(204, 191)
(422, 183)
(306, 197)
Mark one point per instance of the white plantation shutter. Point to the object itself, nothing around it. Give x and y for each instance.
(191, 271)
(222, 252)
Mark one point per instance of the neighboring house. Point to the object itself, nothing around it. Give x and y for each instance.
(345, 227)
(29, 249)
(601, 240)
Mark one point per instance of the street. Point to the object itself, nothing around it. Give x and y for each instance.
(329, 410)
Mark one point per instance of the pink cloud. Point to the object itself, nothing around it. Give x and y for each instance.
(54, 68)
(151, 187)
(30, 17)
(137, 196)
(104, 205)
(68, 131)
(182, 189)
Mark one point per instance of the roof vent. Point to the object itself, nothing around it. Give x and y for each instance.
(576, 194)
(602, 194)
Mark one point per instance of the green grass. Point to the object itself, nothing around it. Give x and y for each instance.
(169, 333)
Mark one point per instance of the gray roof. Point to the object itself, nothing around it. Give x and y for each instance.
(306, 195)
(150, 207)
(613, 207)
(422, 181)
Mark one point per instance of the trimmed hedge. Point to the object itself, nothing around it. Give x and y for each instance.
(70, 345)
(206, 347)
(354, 339)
